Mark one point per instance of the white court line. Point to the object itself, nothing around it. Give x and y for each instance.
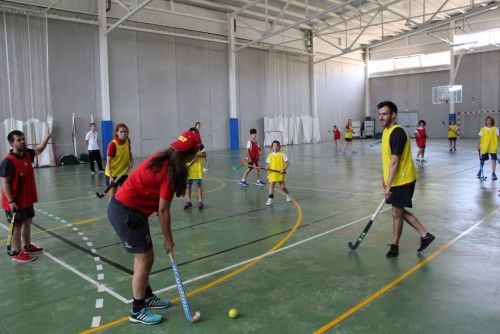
(96, 321)
(80, 274)
(65, 200)
(264, 255)
(304, 188)
(99, 303)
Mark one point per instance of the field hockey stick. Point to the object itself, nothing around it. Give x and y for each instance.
(112, 184)
(12, 220)
(11, 233)
(376, 143)
(185, 304)
(263, 168)
(367, 227)
(481, 171)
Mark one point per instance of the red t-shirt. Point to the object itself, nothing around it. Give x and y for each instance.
(15, 166)
(253, 151)
(336, 134)
(143, 188)
(421, 137)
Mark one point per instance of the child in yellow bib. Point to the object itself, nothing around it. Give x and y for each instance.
(488, 145)
(452, 135)
(195, 175)
(278, 162)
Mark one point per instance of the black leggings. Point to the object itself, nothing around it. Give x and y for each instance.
(95, 155)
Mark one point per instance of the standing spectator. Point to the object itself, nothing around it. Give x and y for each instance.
(93, 147)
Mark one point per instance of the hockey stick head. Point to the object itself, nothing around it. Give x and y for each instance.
(352, 246)
(100, 195)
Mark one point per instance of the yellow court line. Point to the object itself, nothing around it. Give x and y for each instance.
(86, 221)
(399, 279)
(218, 281)
(218, 188)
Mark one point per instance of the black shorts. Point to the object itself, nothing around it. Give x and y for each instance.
(452, 139)
(22, 214)
(423, 146)
(348, 139)
(401, 196)
(131, 226)
(122, 180)
(485, 157)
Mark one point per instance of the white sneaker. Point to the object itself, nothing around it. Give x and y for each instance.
(92, 173)
(288, 197)
(269, 201)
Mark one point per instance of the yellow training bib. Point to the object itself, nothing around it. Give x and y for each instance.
(489, 140)
(277, 162)
(452, 131)
(121, 160)
(406, 172)
(195, 170)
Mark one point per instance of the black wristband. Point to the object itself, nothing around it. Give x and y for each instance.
(11, 201)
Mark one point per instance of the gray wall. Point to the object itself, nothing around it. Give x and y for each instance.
(339, 94)
(159, 85)
(479, 75)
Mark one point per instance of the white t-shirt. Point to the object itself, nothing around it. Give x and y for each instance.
(91, 137)
(285, 158)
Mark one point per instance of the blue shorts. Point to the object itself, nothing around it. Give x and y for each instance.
(195, 181)
(131, 226)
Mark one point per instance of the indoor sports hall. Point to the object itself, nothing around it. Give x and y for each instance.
(297, 132)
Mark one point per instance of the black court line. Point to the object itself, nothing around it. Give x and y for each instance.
(247, 243)
(84, 250)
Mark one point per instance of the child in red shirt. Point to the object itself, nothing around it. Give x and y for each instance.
(253, 157)
(337, 136)
(421, 138)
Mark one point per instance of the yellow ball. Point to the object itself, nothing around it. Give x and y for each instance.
(233, 313)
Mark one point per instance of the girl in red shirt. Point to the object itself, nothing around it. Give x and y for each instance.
(421, 138)
(150, 188)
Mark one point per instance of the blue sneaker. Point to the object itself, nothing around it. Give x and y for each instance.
(244, 183)
(260, 183)
(155, 302)
(145, 316)
(494, 177)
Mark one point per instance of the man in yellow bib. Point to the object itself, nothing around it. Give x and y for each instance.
(399, 176)
(488, 145)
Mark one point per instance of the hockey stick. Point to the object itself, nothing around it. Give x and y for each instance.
(14, 213)
(244, 163)
(367, 227)
(185, 304)
(112, 184)
(376, 143)
(480, 174)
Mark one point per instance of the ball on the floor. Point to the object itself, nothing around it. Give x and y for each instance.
(233, 313)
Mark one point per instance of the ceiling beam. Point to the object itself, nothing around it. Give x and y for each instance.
(273, 33)
(476, 10)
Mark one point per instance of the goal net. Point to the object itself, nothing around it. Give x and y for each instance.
(470, 122)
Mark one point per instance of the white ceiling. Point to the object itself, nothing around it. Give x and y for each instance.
(339, 27)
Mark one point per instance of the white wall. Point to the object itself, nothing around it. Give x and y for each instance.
(339, 94)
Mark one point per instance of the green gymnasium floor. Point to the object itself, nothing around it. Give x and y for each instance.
(83, 278)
